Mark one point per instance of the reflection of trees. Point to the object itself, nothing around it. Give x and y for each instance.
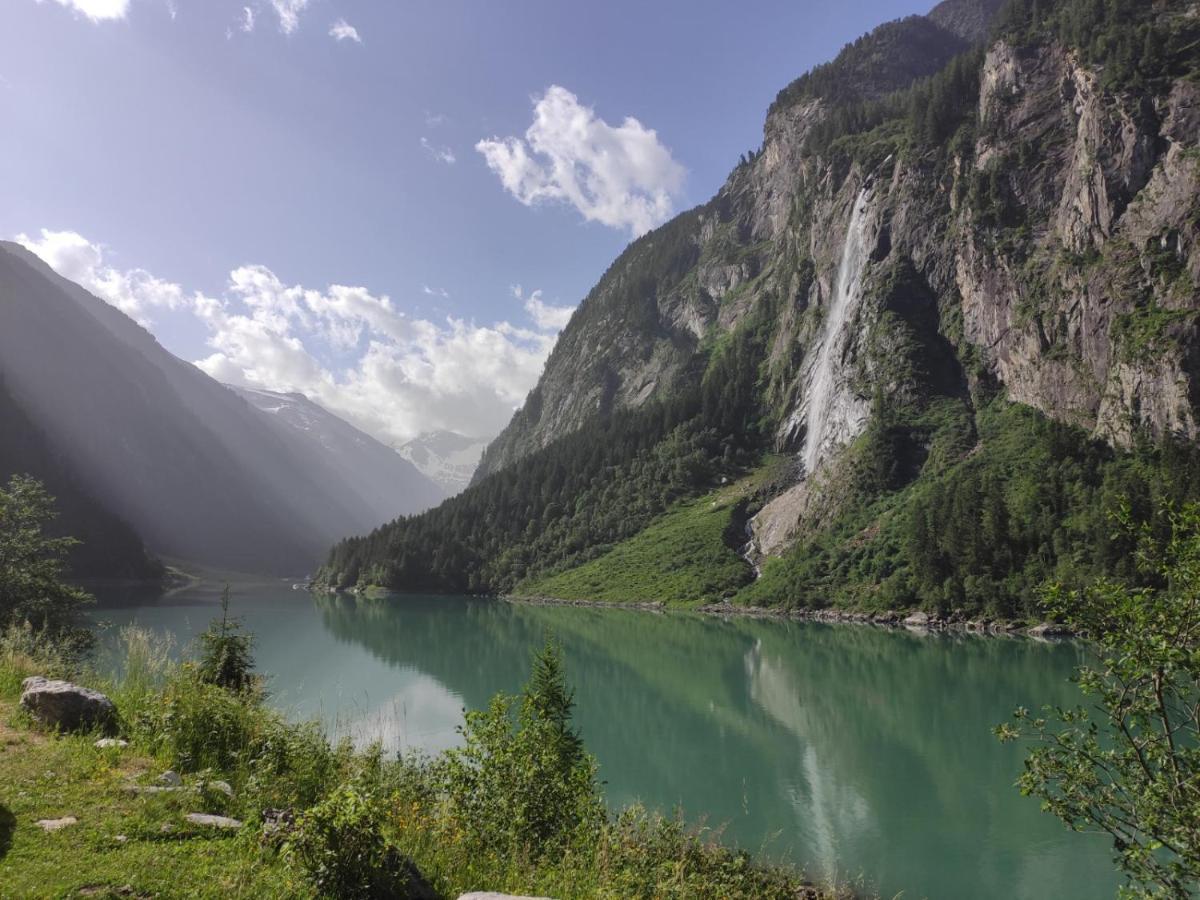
(857, 746)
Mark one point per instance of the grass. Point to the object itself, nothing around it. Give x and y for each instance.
(681, 559)
(48, 776)
(350, 807)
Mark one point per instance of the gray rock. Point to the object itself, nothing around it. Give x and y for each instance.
(211, 821)
(221, 787)
(1049, 630)
(170, 778)
(105, 743)
(60, 704)
(919, 620)
(56, 824)
(491, 895)
(151, 789)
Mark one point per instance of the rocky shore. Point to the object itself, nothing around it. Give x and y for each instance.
(917, 620)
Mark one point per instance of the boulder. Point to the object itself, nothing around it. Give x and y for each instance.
(221, 787)
(69, 707)
(170, 778)
(1049, 630)
(919, 620)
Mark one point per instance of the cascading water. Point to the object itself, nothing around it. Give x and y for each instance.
(846, 297)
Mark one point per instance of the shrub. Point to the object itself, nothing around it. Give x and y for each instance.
(225, 652)
(523, 787)
(341, 846)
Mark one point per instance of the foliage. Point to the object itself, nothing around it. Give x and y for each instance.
(1130, 766)
(225, 652)
(340, 844)
(31, 564)
(527, 787)
(1003, 501)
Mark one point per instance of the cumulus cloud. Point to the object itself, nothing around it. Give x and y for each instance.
(350, 349)
(621, 176)
(97, 10)
(341, 30)
(289, 13)
(133, 291)
(441, 154)
(544, 316)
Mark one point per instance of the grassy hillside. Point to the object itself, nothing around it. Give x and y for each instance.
(684, 557)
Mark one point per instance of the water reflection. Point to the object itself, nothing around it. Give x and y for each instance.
(848, 749)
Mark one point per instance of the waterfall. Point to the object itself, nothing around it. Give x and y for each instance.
(823, 380)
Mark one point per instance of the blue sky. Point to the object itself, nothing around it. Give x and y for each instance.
(232, 186)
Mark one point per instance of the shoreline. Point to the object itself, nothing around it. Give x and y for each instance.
(912, 621)
(915, 620)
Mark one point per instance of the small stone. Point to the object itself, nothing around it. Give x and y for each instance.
(121, 839)
(170, 778)
(150, 789)
(223, 787)
(56, 824)
(166, 828)
(491, 895)
(211, 821)
(105, 743)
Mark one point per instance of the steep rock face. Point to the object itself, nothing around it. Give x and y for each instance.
(1050, 247)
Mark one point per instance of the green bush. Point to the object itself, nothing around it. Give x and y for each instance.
(523, 787)
(341, 846)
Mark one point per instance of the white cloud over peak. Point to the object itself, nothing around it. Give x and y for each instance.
(341, 30)
(289, 13)
(133, 291)
(441, 154)
(97, 10)
(621, 176)
(349, 349)
(545, 316)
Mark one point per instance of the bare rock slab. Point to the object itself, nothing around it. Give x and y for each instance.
(61, 704)
(56, 824)
(210, 821)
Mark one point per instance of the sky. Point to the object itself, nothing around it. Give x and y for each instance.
(391, 206)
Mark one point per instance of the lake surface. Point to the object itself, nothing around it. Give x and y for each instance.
(850, 750)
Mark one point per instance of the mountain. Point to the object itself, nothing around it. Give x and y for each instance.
(447, 458)
(917, 351)
(109, 547)
(197, 471)
(371, 472)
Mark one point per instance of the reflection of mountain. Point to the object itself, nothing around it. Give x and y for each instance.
(828, 743)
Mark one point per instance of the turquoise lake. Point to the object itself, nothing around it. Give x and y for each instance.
(852, 751)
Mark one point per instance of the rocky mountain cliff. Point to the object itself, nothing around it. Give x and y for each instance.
(976, 207)
(1050, 237)
(447, 458)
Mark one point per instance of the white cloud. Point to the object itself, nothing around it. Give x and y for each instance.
(97, 10)
(545, 316)
(341, 30)
(289, 13)
(620, 176)
(435, 120)
(434, 292)
(135, 291)
(353, 351)
(246, 20)
(441, 154)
